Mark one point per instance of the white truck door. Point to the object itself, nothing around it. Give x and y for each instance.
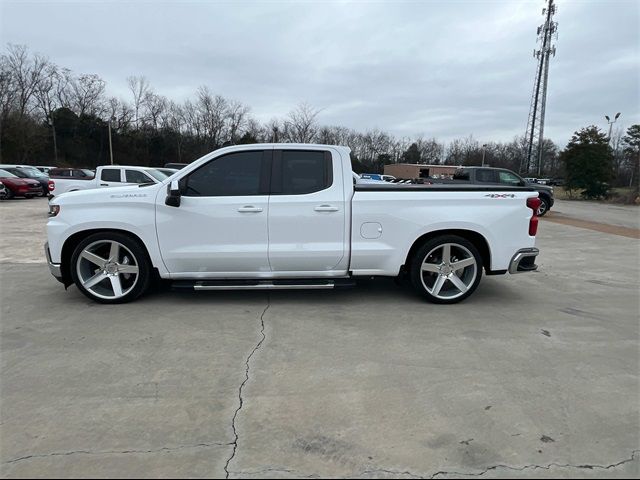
(220, 227)
(110, 177)
(307, 212)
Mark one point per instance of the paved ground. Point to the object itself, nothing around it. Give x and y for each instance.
(610, 213)
(535, 375)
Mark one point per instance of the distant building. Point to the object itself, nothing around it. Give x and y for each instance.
(415, 170)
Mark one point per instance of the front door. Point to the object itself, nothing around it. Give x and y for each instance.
(307, 213)
(220, 228)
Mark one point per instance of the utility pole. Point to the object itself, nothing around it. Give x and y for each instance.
(110, 144)
(55, 141)
(534, 135)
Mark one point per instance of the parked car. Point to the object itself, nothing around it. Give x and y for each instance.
(29, 172)
(287, 216)
(179, 166)
(108, 176)
(44, 169)
(20, 187)
(3, 191)
(502, 176)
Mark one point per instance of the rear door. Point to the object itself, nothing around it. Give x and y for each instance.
(307, 213)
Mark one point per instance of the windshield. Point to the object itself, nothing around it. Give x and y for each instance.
(32, 172)
(4, 173)
(158, 175)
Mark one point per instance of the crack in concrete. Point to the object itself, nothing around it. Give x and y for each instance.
(541, 467)
(116, 452)
(246, 379)
(634, 453)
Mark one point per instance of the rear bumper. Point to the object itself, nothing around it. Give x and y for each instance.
(524, 261)
(54, 268)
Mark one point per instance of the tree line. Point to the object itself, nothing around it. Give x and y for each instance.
(50, 115)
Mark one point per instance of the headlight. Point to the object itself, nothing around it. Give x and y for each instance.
(54, 210)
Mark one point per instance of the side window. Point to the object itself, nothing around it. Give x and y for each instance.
(110, 175)
(508, 178)
(303, 172)
(236, 174)
(485, 176)
(135, 176)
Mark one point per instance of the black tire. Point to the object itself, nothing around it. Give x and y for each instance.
(140, 259)
(461, 249)
(544, 206)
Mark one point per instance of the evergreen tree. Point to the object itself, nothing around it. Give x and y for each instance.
(588, 163)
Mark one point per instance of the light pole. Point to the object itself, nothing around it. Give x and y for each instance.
(55, 142)
(484, 146)
(110, 144)
(611, 122)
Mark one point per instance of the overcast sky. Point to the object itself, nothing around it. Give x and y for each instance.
(445, 69)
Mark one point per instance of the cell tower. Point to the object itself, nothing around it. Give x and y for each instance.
(534, 135)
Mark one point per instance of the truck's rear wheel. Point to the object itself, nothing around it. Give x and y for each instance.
(110, 267)
(446, 269)
(544, 206)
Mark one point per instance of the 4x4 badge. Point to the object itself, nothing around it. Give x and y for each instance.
(501, 195)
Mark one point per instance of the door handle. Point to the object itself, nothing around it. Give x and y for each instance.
(326, 208)
(249, 209)
(104, 184)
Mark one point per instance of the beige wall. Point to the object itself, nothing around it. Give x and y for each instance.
(406, 170)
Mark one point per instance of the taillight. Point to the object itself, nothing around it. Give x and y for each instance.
(52, 185)
(534, 204)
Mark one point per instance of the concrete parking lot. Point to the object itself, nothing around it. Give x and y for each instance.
(534, 375)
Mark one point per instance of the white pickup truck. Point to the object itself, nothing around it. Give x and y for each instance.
(106, 176)
(272, 216)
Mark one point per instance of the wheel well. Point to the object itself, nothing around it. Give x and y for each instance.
(72, 242)
(474, 237)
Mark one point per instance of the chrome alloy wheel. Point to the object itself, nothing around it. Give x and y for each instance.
(448, 271)
(542, 209)
(107, 269)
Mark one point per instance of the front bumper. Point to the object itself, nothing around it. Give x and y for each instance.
(54, 268)
(524, 261)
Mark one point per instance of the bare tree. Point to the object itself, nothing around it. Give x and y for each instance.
(301, 125)
(87, 95)
(25, 72)
(213, 112)
(140, 88)
(237, 119)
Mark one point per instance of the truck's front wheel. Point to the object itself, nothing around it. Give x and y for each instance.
(110, 267)
(446, 269)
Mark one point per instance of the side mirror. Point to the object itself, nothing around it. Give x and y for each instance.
(522, 183)
(173, 194)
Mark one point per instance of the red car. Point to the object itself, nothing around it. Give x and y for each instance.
(20, 187)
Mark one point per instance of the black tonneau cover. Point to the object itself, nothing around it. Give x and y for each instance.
(438, 187)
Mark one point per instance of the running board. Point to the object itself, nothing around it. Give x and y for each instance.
(299, 284)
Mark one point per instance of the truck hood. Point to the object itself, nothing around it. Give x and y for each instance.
(94, 195)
